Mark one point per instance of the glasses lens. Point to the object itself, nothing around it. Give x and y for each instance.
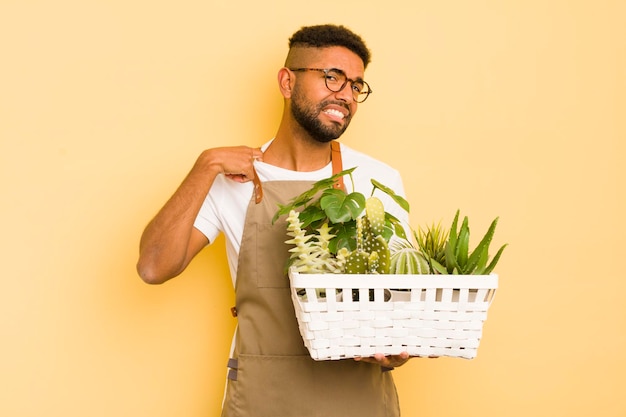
(361, 91)
(336, 80)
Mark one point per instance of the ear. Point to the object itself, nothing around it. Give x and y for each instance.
(285, 82)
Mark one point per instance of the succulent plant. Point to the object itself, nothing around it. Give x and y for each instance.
(310, 253)
(431, 242)
(459, 260)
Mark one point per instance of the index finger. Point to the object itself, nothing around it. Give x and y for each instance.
(257, 154)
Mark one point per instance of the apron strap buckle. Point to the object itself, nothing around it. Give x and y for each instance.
(233, 365)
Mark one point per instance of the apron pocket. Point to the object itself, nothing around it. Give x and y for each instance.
(276, 262)
(298, 386)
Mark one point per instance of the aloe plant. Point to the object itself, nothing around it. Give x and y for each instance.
(458, 259)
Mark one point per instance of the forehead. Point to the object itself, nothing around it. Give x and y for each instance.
(328, 57)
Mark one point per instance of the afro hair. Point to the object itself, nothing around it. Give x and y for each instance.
(322, 36)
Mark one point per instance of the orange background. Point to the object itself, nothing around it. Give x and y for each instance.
(512, 109)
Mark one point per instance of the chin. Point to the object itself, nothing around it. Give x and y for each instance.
(324, 139)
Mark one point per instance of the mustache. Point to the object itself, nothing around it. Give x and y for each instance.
(336, 103)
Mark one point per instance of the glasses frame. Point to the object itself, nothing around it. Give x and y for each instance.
(355, 95)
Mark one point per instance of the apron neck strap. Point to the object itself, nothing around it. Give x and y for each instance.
(335, 152)
(337, 164)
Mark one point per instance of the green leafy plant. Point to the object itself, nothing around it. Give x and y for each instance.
(335, 232)
(359, 225)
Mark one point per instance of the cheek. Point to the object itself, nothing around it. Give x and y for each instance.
(353, 108)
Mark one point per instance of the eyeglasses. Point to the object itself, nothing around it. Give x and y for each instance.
(336, 80)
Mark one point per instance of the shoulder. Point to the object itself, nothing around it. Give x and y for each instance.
(368, 167)
(352, 157)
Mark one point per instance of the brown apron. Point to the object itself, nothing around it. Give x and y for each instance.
(271, 373)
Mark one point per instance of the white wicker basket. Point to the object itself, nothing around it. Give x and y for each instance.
(427, 315)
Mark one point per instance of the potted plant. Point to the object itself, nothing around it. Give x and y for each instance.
(347, 243)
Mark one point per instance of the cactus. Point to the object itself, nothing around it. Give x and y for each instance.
(407, 259)
(372, 254)
(375, 212)
(380, 247)
(357, 262)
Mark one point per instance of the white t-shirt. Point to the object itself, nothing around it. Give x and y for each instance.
(224, 209)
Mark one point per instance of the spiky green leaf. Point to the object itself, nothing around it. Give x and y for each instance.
(495, 260)
(451, 245)
(484, 244)
(462, 247)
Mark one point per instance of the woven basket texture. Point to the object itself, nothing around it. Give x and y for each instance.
(345, 316)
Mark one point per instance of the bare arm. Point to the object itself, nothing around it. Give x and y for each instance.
(170, 241)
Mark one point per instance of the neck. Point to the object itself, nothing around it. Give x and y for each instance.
(297, 151)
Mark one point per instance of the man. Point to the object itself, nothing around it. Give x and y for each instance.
(235, 190)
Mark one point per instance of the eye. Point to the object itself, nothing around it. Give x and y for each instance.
(332, 76)
(357, 87)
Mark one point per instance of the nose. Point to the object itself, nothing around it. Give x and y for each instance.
(345, 93)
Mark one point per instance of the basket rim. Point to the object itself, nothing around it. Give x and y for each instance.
(372, 281)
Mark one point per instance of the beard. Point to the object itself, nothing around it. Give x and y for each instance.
(307, 116)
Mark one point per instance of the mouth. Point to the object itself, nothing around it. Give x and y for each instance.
(336, 114)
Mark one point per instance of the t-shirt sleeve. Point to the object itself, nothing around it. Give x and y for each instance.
(205, 224)
(208, 221)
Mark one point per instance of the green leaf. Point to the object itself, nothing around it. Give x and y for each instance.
(451, 245)
(437, 267)
(481, 264)
(393, 226)
(401, 201)
(483, 245)
(495, 260)
(462, 248)
(341, 207)
(345, 237)
(307, 196)
(311, 215)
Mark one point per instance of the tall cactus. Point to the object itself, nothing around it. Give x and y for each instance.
(372, 252)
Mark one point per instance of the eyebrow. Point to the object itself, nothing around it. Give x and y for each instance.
(359, 79)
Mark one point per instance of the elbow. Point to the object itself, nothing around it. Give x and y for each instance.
(150, 275)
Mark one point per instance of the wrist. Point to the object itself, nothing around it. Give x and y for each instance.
(209, 162)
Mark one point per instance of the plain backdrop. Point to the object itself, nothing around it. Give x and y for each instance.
(509, 108)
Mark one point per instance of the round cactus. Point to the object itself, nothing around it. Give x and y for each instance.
(408, 261)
